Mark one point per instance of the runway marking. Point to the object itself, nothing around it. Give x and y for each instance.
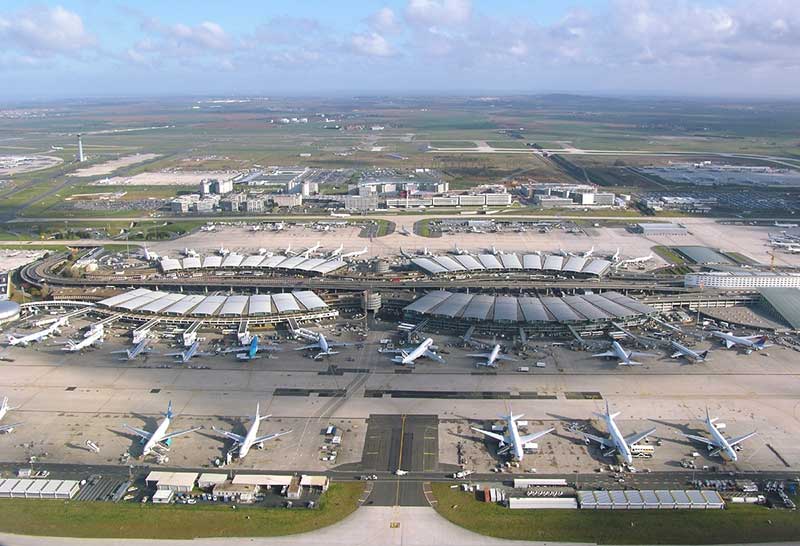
(400, 458)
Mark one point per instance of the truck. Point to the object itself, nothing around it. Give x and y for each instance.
(461, 474)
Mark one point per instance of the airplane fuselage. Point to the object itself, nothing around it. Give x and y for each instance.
(158, 434)
(619, 440)
(722, 442)
(418, 352)
(252, 434)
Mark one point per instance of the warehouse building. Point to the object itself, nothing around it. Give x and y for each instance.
(741, 280)
(27, 488)
(543, 315)
(631, 499)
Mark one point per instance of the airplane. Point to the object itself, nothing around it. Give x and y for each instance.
(5, 408)
(624, 356)
(589, 252)
(251, 438)
(190, 253)
(250, 351)
(615, 256)
(307, 252)
(159, 439)
(778, 224)
(511, 441)
(135, 351)
(751, 343)
(355, 253)
(792, 249)
(426, 349)
(223, 251)
(686, 352)
(336, 252)
(404, 231)
(495, 252)
(405, 254)
(323, 345)
(492, 357)
(41, 335)
(148, 255)
(288, 251)
(189, 353)
(718, 444)
(93, 338)
(459, 251)
(617, 442)
(634, 261)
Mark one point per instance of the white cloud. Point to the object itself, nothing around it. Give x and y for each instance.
(384, 20)
(206, 35)
(438, 12)
(45, 31)
(371, 44)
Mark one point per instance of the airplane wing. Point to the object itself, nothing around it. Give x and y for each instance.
(701, 439)
(118, 352)
(241, 349)
(638, 437)
(269, 348)
(676, 354)
(7, 428)
(602, 441)
(342, 344)
(480, 355)
(507, 358)
(433, 356)
(531, 437)
(740, 439)
(635, 354)
(179, 433)
(230, 435)
(139, 432)
(498, 437)
(306, 347)
(270, 436)
(729, 343)
(606, 354)
(173, 354)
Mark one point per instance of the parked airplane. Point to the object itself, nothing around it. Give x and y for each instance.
(404, 231)
(686, 352)
(492, 357)
(355, 253)
(323, 345)
(616, 441)
(779, 224)
(190, 253)
(625, 357)
(148, 255)
(750, 343)
(405, 254)
(223, 251)
(159, 440)
(635, 261)
(96, 337)
(251, 437)
(135, 351)
(425, 349)
(588, 253)
(718, 444)
(615, 256)
(189, 353)
(5, 408)
(511, 441)
(307, 252)
(459, 251)
(250, 351)
(27, 339)
(337, 251)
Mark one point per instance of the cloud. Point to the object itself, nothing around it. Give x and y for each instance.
(384, 20)
(45, 31)
(371, 45)
(438, 12)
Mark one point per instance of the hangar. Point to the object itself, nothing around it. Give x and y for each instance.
(513, 263)
(543, 315)
(265, 263)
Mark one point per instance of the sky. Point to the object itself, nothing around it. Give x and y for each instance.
(103, 48)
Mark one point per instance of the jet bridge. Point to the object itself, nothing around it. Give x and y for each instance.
(189, 336)
(243, 333)
(140, 333)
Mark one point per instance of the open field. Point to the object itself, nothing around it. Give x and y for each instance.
(108, 520)
(14, 165)
(163, 178)
(736, 524)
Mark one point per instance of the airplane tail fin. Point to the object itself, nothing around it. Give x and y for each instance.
(4, 404)
(704, 354)
(258, 411)
(169, 413)
(761, 342)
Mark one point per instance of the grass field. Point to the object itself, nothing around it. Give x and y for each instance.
(127, 520)
(739, 524)
(669, 255)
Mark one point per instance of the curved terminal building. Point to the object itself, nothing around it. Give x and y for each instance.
(545, 264)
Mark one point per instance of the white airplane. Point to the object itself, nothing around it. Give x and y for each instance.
(511, 441)
(779, 224)
(288, 250)
(751, 343)
(41, 335)
(589, 252)
(718, 444)
(251, 438)
(425, 349)
(307, 252)
(135, 351)
(336, 252)
(615, 256)
(159, 439)
(405, 254)
(323, 345)
(686, 352)
(355, 253)
(492, 357)
(634, 261)
(189, 353)
(404, 231)
(5, 408)
(95, 337)
(625, 357)
(495, 251)
(149, 256)
(617, 442)
(223, 251)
